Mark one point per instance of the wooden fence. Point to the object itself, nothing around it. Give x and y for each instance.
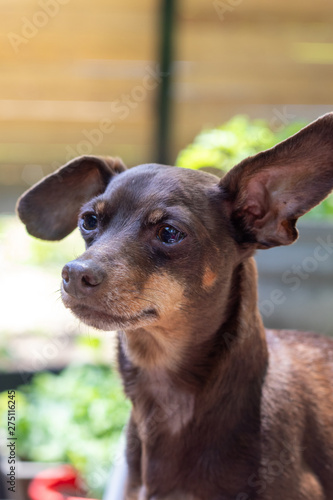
(81, 77)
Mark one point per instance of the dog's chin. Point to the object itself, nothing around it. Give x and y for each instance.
(107, 320)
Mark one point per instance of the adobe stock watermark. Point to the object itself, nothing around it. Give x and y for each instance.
(98, 474)
(119, 109)
(43, 356)
(223, 7)
(30, 27)
(272, 468)
(281, 118)
(294, 276)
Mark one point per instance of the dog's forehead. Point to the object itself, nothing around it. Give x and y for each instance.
(153, 184)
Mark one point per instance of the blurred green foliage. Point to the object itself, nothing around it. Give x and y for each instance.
(75, 417)
(225, 146)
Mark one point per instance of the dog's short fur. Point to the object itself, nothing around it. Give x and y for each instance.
(222, 410)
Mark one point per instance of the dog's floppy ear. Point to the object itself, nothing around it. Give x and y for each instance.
(50, 208)
(266, 193)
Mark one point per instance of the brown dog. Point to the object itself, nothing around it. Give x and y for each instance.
(222, 410)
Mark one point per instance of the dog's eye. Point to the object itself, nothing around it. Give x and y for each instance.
(89, 222)
(170, 235)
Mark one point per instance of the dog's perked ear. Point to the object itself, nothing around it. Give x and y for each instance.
(50, 208)
(266, 193)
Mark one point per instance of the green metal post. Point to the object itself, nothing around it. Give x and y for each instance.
(164, 97)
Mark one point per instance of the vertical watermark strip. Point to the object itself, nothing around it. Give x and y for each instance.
(11, 445)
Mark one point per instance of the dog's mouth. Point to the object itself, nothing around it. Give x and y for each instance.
(109, 321)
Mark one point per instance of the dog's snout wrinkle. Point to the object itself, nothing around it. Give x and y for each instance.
(82, 278)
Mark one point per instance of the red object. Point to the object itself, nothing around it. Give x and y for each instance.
(59, 483)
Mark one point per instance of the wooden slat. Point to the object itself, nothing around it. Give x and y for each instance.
(257, 9)
(81, 29)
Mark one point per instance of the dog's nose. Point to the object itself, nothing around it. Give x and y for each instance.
(80, 279)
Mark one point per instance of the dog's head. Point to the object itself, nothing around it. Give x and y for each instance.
(154, 238)
(161, 241)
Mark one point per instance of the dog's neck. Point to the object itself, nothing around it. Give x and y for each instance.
(174, 410)
(222, 356)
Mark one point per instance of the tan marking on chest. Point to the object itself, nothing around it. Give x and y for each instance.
(176, 407)
(170, 410)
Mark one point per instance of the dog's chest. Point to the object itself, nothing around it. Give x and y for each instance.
(166, 407)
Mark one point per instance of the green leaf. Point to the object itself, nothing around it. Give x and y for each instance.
(224, 146)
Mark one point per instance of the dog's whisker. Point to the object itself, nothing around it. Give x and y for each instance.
(157, 290)
(154, 290)
(144, 299)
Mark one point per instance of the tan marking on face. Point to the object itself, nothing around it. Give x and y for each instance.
(155, 216)
(167, 292)
(100, 207)
(162, 342)
(209, 278)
